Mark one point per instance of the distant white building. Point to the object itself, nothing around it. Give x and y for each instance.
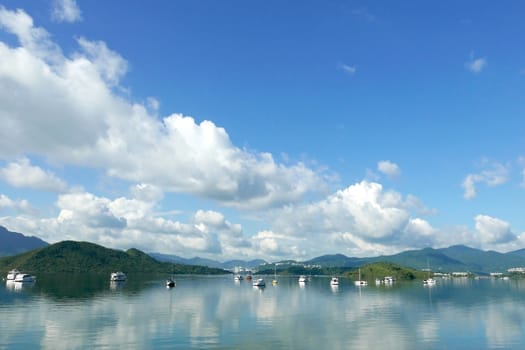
(516, 270)
(459, 274)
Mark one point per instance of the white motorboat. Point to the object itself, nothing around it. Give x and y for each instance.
(429, 282)
(388, 280)
(11, 275)
(117, 276)
(259, 283)
(334, 281)
(24, 277)
(302, 279)
(170, 282)
(238, 277)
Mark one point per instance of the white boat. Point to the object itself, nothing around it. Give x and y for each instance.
(24, 277)
(238, 278)
(388, 280)
(12, 274)
(117, 276)
(360, 282)
(334, 281)
(259, 283)
(302, 279)
(429, 281)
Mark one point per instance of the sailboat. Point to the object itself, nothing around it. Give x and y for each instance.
(170, 282)
(360, 282)
(429, 281)
(274, 282)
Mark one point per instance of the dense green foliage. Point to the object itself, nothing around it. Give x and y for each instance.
(381, 269)
(70, 256)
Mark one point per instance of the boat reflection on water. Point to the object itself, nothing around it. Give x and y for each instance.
(115, 285)
(18, 286)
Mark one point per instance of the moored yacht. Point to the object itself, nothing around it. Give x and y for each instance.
(24, 277)
(334, 281)
(117, 276)
(302, 279)
(259, 283)
(12, 274)
(429, 281)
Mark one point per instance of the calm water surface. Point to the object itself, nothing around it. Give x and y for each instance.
(85, 312)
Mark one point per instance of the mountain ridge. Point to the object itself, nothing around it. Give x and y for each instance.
(453, 258)
(83, 257)
(13, 243)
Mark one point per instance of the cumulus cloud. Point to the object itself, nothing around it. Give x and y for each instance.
(130, 222)
(7, 203)
(388, 168)
(65, 11)
(476, 65)
(492, 230)
(22, 174)
(147, 193)
(497, 174)
(88, 125)
(362, 219)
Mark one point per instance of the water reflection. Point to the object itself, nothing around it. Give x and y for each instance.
(213, 312)
(18, 286)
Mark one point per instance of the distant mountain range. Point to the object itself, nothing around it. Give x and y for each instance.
(458, 258)
(228, 265)
(12, 243)
(454, 258)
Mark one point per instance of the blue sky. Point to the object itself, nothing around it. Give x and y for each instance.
(264, 129)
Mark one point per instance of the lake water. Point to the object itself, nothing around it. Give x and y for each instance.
(85, 312)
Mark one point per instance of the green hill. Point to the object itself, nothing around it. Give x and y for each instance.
(71, 256)
(381, 269)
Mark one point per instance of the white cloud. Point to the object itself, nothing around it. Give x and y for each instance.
(388, 168)
(124, 223)
(351, 70)
(65, 11)
(88, 124)
(497, 174)
(22, 174)
(108, 63)
(147, 193)
(7, 203)
(476, 65)
(492, 230)
(362, 219)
